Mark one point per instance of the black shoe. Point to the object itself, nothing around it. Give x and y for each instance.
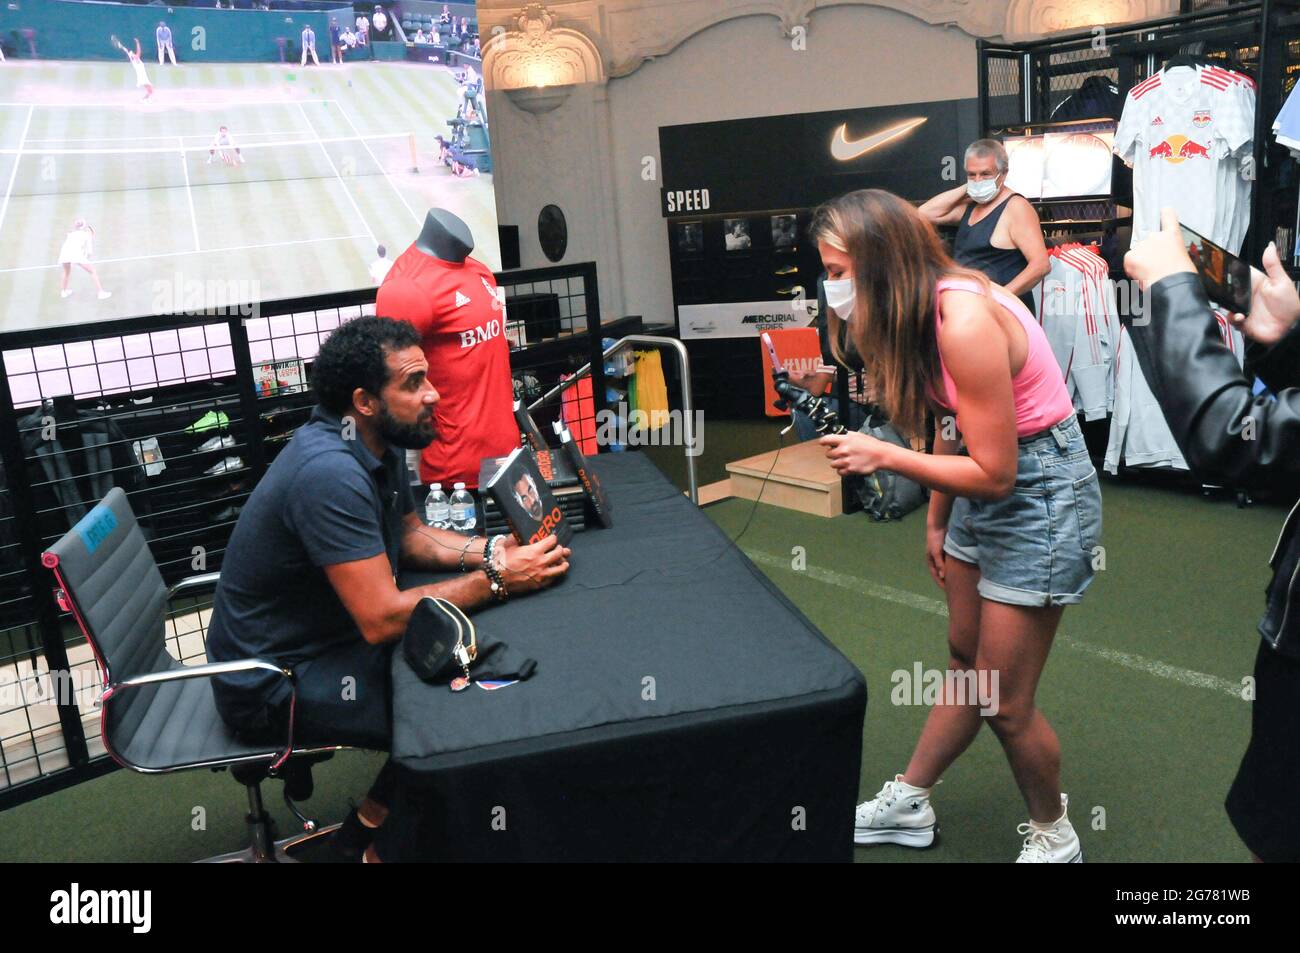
(352, 838)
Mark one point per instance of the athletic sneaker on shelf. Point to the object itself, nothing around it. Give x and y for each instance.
(1055, 843)
(787, 270)
(209, 421)
(227, 515)
(228, 465)
(217, 443)
(899, 814)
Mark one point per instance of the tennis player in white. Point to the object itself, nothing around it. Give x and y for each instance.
(230, 153)
(141, 77)
(77, 248)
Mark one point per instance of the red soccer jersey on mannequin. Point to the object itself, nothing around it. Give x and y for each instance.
(456, 309)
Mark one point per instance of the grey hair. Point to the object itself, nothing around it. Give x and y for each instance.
(983, 148)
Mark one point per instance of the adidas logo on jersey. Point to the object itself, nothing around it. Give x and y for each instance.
(1157, 121)
(461, 300)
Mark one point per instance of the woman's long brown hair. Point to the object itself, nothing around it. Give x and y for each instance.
(897, 260)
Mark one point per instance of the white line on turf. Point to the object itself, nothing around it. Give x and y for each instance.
(189, 197)
(938, 607)
(346, 118)
(18, 158)
(206, 251)
(346, 191)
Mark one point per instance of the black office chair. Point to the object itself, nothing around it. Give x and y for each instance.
(158, 715)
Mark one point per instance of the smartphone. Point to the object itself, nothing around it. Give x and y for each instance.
(777, 368)
(1225, 277)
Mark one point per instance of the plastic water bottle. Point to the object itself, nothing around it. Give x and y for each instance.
(463, 517)
(437, 510)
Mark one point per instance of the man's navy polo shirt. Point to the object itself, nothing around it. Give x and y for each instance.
(324, 500)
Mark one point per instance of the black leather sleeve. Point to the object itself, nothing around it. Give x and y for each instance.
(1226, 434)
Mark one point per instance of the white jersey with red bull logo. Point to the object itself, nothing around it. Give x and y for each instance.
(1183, 130)
(1178, 129)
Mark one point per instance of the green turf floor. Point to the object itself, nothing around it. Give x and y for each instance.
(1139, 687)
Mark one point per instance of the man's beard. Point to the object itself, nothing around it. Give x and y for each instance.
(414, 436)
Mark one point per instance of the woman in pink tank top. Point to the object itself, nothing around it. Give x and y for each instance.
(1014, 520)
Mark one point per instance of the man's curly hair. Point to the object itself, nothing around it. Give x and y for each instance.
(355, 355)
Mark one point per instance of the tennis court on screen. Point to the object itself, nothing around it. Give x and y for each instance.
(331, 162)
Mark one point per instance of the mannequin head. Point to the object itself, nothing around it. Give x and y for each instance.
(445, 236)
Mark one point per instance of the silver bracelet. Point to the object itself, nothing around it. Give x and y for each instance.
(464, 551)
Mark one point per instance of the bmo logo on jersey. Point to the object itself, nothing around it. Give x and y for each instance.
(480, 334)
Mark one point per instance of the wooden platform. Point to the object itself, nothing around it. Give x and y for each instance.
(802, 479)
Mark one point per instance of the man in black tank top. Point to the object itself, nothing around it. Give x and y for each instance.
(983, 208)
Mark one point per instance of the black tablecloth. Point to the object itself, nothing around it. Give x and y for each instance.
(682, 708)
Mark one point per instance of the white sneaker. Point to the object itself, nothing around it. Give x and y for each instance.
(217, 443)
(65, 293)
(228, 465)
(899, 814)
(1055, 844)
(104, 295)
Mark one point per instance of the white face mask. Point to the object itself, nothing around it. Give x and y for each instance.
(983, 190)
(839, 297)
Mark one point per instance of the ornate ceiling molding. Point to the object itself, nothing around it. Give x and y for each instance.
(604, 39)
(1030, 19)
(535, 52)
(635, 36)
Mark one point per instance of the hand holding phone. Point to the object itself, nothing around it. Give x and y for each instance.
(1275, 303)
(1225, 277)
(768, 346)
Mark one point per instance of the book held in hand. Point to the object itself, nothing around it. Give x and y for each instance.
(525, 498)
(597, 502)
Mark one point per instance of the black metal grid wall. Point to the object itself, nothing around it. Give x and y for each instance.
(550, 317)
(184, 413)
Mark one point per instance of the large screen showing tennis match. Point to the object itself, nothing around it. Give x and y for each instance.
(160, 160)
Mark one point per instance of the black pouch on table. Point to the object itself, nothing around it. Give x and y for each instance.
(440, 639)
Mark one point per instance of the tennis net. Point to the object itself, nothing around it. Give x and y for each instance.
(51, 170)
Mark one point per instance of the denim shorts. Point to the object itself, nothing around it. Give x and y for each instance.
(1036, 546)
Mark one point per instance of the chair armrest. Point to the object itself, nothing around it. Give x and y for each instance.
(205, 581)
(208, 670)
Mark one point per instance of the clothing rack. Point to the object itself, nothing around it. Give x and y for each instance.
(1020, 84)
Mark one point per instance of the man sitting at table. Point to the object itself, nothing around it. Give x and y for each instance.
(308, 580)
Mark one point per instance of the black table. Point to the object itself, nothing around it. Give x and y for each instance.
(682, 709)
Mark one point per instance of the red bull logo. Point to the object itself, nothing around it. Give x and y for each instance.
(1202, 118)
(1176, 149)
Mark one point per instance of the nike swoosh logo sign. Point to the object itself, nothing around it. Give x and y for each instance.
(845, 151)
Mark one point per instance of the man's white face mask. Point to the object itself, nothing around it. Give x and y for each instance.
(983, 190)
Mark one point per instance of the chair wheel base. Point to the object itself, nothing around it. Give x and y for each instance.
(281, 851)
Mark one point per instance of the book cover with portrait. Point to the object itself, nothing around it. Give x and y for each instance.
(523, 495)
